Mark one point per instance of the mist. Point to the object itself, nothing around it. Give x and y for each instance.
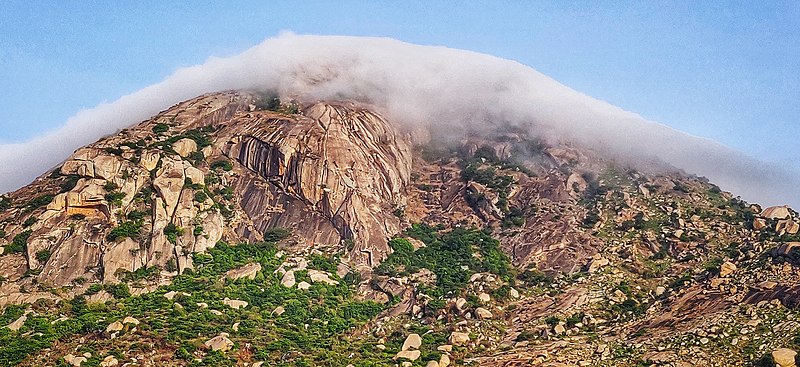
(418, 87)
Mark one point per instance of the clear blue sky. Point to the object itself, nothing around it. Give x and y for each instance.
(725, 70)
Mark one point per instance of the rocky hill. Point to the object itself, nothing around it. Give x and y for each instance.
(233, 229)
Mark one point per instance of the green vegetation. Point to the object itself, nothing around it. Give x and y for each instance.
(453, 256)
(127, 229)
(69, 183)
(5, 203)
(316, 325)
(271, 102)
(224, 164)
(38, 202)
(115, 198)
(30, 221)
(43, 255)
(160, 128)
(173, 232)
(19, 242)
(143, 273)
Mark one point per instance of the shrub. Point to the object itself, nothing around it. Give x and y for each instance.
(38, 202)
(30, 221)
(69, 183)
(19, 242)
(160, 128)
(43, 255)
(276, 234)
(115, 198)
(110, 186)
(127, 229)
(200, 196)
(5, 203)
(224, 164)
(173, 232)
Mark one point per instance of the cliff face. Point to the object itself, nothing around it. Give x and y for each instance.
(209, 169)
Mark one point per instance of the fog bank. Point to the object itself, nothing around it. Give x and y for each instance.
(416, 86)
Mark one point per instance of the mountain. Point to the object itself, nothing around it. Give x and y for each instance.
(236, 229)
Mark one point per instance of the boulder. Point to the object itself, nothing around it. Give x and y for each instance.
(759, 224)
(288, 280)
(278, 311)
(219, 343)
(74, 360)
(130, 320)
(184, 147)
(114, 326)
(109, 361)
(458, 338)
(444, 360)
(432, 364)
(776, 212)
(483, 313)
(787, 226)
(411, 355)
(17, 324)
(461, 303)
(413, 341)
(445, 348)
(234, 303)
(784, 357)
(248, 271)
(321, 276)
(484, 297)
(596, 263)
(303, 285)
(149, 160)
(727, 269)
(785, 249)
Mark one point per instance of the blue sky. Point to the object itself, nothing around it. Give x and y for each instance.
(722, 70)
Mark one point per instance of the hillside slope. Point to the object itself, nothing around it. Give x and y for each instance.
(232, 229)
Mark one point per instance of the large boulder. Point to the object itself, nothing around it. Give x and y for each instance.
(459, 338)
(776, 212)
(219, 343)
(413, 341)
(784, 357)
(184, 147)
(248, 271)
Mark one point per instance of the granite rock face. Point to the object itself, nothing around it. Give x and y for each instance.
(209, 169)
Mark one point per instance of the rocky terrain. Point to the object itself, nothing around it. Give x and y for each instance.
(236, 229)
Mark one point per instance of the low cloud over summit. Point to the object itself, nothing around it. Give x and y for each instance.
(418, 86)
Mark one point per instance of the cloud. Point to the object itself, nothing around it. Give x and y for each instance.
(416, 86)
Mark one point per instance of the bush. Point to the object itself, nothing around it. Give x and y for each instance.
(276, 234)
(224, 164)
(115, 198)
(69, 183)
(5, 203)
(173, 232)
(127, 229)
(30, 221)
(200, 196)
(19, 242)
(43, 255)
(38, 202)
(160, 128)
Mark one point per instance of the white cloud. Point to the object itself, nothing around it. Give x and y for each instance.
(417, 86)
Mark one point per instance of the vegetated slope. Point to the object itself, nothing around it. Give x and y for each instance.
(236, 229)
